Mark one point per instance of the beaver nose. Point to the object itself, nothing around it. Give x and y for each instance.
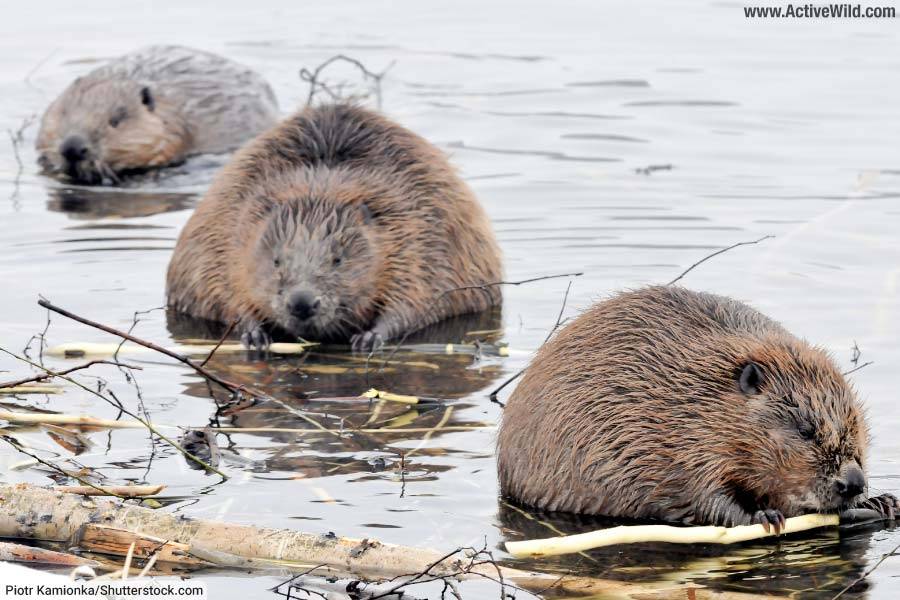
(303, 305)
(74, 149)
(852, 484)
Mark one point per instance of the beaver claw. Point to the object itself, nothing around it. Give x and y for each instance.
(255, 337)
(368, 341)
(770, 519)
(885, 505)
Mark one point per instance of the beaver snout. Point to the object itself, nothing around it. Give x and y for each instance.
(851, 483)
(303, 305)
(74, 149)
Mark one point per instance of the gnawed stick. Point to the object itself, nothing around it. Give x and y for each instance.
(122, 491)
(38, 513)
(661, 533)
(96, 349)
(28, 418)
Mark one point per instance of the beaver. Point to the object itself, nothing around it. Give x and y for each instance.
(152, 108)
(674, 405)
(336, 224)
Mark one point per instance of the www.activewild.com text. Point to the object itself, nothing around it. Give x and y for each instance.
(823, 11)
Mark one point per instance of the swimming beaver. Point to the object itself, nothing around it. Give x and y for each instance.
(675, 405)
(336, 224)
(152, 108)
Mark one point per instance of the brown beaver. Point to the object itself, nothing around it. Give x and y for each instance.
(669, 404)
(152, 108)
(336, 224)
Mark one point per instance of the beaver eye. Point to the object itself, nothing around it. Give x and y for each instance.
(337, 261)
(117, 117)
(806, 430)
(277, 262)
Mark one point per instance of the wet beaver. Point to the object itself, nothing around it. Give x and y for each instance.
(668, 404)
(152, 108)
(337, 224)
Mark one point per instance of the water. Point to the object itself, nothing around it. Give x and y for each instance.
(553, 113)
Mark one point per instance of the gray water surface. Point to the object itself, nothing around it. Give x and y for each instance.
(625, 141)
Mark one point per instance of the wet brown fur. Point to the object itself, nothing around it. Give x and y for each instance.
(328, 182)
(634, 410)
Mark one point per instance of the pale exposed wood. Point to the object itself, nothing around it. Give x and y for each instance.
(661, 533)
(20, 553)
(123, 491)
(104, 539)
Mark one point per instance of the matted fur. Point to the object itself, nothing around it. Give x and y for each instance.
(201, 103)
(634, 410)
(336, 184)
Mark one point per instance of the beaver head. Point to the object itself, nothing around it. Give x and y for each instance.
(100, 128)
(316, 267)
(803, 449)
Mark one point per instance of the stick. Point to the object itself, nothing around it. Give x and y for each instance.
(231, 387)
(716, 253)
(52, 374)
(661, 533)
(122, 491)
(83, 349)
(18, 553)
(62, 419)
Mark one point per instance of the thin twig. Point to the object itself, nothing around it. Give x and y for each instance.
(15, 444)
(867, 573)
(221, 341)
(315, 84)
(855, 369)
(231, 387)
(119, 406)
(484, 286)
(51, 374)
(559, 321)
(716, 253)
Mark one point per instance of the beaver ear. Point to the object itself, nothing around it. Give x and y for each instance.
(366, 214)
(750, 379)
(147, 98)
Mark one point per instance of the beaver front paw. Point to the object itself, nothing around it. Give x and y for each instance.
(255, 337)
(368, 341)
(769, 519)
(886, 505)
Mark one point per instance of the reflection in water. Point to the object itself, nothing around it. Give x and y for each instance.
(323, 426)
(104, 203)
(804, 566)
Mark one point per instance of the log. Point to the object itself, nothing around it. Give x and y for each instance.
(61, 419)
(28, 511)
(570, 544)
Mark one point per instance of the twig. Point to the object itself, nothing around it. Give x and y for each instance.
(15, 444)
(559, 321)
(51, 374)
(484, 286)
(221, 341)
(231, 387)
(862, 577)
(716, 253)
(119, 406)
(315, 84)
(855, 369)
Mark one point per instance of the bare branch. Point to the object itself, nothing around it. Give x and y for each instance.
(716, 253)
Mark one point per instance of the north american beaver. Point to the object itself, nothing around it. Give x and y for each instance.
(152, 108)
(674, 405)
(337, 224)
